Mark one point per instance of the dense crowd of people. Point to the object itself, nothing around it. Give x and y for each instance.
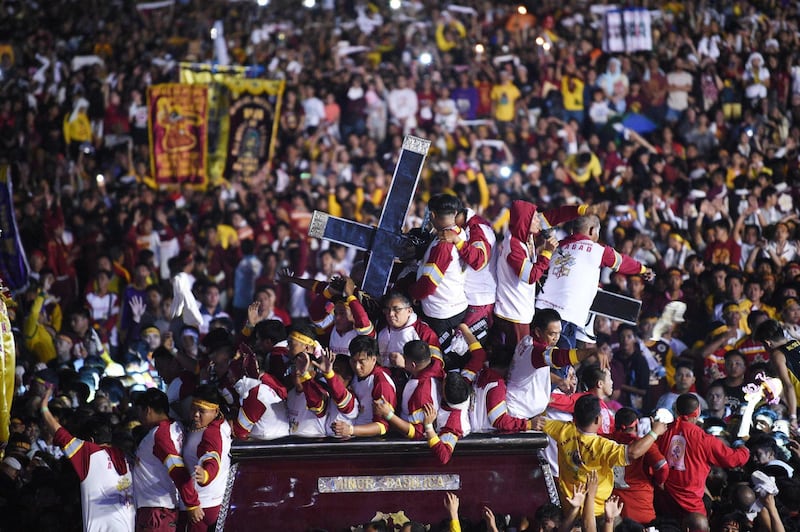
(159, 324)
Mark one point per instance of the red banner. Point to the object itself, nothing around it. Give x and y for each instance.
(178, 125)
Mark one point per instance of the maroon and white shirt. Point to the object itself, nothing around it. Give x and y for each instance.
(160, 478)
(107, 503)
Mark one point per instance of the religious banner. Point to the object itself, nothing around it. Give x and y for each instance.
(627, 30)
(252, 124)
(13, 263)
(178, 127)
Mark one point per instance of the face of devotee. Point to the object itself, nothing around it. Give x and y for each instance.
(397, 313)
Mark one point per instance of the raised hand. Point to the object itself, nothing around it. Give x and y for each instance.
(302, 363)
(488, 517)
(551, 243)
(578, 495)
(137, 308)
(604, 356)
(451, 505)
(349, 287)
(613, 507)
(325, 362)
(599, 209)
(591, 484)
(285, 275)
(253, 312)
(448, 235)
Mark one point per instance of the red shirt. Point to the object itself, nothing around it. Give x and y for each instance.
(690, 453)
(633, 484)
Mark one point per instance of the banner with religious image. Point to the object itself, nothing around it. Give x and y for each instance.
(252, 122)
(178, 127)
(627, 30)
(14, 267)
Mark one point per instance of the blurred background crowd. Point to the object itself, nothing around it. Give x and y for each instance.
(694, 143)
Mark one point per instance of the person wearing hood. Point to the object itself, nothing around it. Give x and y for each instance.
(519, 266)
(614, 84)
(756, 78)
(77, 127)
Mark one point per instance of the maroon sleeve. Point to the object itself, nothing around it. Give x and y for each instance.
(382, 388)
(476, 361)
(620, 263)
(77, 450)
(427, 335)
(345, 401)
(561, 214)
(164, 449)
(476, 251)
(497, 411)
(249, 413)
(319, 308)
(523, 267)
(422, 395)
(563, 402)
(543, 356)
(444, 443)
(432, 271)
(316, 397)
(361, 320)
(208, 452)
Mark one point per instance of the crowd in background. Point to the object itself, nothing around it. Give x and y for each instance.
(694, 144)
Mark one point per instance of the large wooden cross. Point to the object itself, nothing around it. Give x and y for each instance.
(386, 241)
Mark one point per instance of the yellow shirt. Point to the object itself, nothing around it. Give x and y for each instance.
(505, 97)
(227, 236)
(579, 453)
(573, 99)
(38, 339)
(78, 130)
(582, 175)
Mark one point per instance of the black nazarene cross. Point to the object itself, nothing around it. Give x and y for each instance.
(385, 241)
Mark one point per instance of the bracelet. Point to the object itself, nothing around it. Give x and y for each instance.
(654, 435)
(45, 409)
(389, 416)
(352, 430)
(793, 417)
(428, 427)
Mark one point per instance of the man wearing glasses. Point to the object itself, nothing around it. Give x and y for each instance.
(402, 326)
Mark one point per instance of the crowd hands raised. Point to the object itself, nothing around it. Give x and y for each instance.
(146, 305)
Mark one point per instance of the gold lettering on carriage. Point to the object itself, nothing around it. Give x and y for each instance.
(366, 484)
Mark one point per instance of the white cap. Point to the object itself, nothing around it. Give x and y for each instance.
(13, 463)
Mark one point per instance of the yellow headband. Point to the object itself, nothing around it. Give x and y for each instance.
(205, 404)
(151, 328)
(302, 338)
(719, 330)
